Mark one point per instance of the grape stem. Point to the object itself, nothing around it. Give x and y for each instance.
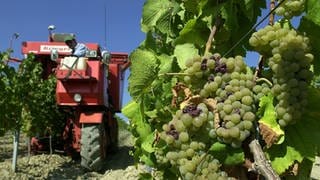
(265, 80)
(261, 164)
(272, 6)
(271, 22)
(259, 68)
(174, 74)
(218, 23)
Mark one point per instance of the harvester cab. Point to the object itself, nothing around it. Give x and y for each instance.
(91, 88)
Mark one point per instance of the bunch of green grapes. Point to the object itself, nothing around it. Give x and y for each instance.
(290, 8)
(195, 126)
(187, 136)
(236, 93)
(289, 59)
(201, 166)
(232, 88)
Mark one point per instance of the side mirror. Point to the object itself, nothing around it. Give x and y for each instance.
(106, 57)
(54, 55)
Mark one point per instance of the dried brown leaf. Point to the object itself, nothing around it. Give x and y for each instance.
(268, 135)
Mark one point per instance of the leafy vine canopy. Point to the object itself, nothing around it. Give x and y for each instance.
(186, 73)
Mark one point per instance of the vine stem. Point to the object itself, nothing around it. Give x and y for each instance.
(259, 68)
(261, 164)
(265, 80)
(272, 7)
(271, 22)
(174, 74)
(219, 21)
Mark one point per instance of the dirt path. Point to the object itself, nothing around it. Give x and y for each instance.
(45, 166)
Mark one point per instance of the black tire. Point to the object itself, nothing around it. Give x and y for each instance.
(91, 147)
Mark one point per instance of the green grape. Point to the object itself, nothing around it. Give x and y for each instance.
(257, 89)
(169, 140)
(196, 66)
(187, 79)
(197, 122)
(234, 132)
(238, 95)
(166, 127)
(245, 92)
(282, 123)
(189, 176)
(171, 155)
(218, 79)
(230, 64)
(204, 93)
(236, 104)
(249, 116)
(293, 83)
(287, 117)
(184, 137)
(186, 119)
(212, 134)
(247, 125)
(235, 118)
(227, 108)
(211, 64)
(179, 126)
(183, 170)
(194, 145)
(247, 100)
(234, 82)
(190, 152)
(231, 99)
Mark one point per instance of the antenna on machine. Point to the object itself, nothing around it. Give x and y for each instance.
(105, 25)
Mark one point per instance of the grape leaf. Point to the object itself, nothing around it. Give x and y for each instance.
(283, 156)
(226, 154)
(252, 8)
(144, 69)
(165, 63)
(313, 11)
(147, 159)
(310, 23)
(312, 31)
(184, 52)
(164, 23)
(132, 111)
(269, 120)
(302, 138)
(147, 143)
(195, 32)
(155, 10)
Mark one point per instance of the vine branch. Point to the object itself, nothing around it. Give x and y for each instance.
(261, 164)
(271, 22)
(218, 23)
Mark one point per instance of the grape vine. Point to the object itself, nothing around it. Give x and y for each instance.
(199, 110)
(27, 101)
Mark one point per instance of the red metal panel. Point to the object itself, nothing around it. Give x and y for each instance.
(116, 79)
(91, 117)
(115, 88)
(90, 87)
(46, 47)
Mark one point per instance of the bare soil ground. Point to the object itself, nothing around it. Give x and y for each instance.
(56, 166)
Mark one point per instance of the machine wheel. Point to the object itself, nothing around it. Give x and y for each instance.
(93, 146)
